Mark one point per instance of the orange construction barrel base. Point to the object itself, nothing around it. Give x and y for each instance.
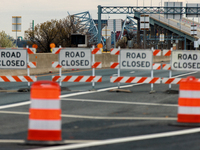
(188, 118)
(39, 135)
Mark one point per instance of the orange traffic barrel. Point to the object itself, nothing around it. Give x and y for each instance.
(45, 112)
(189, 100)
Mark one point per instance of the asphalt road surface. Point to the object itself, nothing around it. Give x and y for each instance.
(103, 120)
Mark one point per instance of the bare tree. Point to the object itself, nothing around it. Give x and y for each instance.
(43, 35)
(54, 31)
(67, 27)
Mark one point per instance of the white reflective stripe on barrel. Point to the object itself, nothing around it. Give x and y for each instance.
(44, 124)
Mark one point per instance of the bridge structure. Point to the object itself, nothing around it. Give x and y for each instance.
(174, 29)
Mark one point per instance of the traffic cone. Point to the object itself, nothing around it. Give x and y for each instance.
(45, 113)
(189, 101)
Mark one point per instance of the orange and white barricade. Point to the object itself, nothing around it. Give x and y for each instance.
(114, 65)
(121, 79)
(77, 78)
(18, 78)
(31, 65)
(45, 112)
(97, 65)
(171, 80)
(115, 51)
(189, 100)
(157, 52)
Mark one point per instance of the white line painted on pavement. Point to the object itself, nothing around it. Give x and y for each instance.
(98, 117)
(122, 140)
(65, 141)
(15, 105)
(118, 102)
(12, 141)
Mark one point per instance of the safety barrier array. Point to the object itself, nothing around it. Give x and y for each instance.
(155, 66)
(71, 63)
(16, 58)
(116, 65)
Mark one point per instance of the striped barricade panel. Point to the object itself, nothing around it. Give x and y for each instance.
(97, 51)
(56, 50)
(167, 52)
(56, 64)
(97, 65)
(114, 65)
(115, 51)
(166, 66)
(31, 50)
(156, 66)
(31, 65)
(18, 78)
(171, 80)
(157, 52)
(150, 80)
(77, 78)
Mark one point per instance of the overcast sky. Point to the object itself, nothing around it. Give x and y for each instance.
(44, 10)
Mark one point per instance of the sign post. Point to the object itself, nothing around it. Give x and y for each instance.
(16, 25)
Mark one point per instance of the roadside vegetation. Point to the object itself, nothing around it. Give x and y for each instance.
(5, 40)
(54, 31)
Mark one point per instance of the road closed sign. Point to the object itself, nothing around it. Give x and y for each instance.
(75, 58)
(185, 60)
(136, 59)
(13, 58)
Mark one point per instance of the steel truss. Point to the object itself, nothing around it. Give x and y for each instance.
(87, 24)
(129, 24)
(149, 10)
(144, 10)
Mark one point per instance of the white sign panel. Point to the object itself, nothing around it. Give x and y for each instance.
(106, 33)
(136, 59)
(13, 58)
(75, 58)
(16, 23)
(186, 60)
(196, 44)
(173, 10)
(118, 23)
(144, 22)
(193, 29)
(192, 9)
(162, 37)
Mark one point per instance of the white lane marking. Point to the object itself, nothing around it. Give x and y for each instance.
(65, 141)
(119, 118)
(122, 140)
(132, 72)
(118, 102)
(14, 112)
(11, 141)
(98, 117)
(185, 74)
(115, 75)
(15, 105)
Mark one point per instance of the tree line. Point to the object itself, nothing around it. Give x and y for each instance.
(54, 31)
